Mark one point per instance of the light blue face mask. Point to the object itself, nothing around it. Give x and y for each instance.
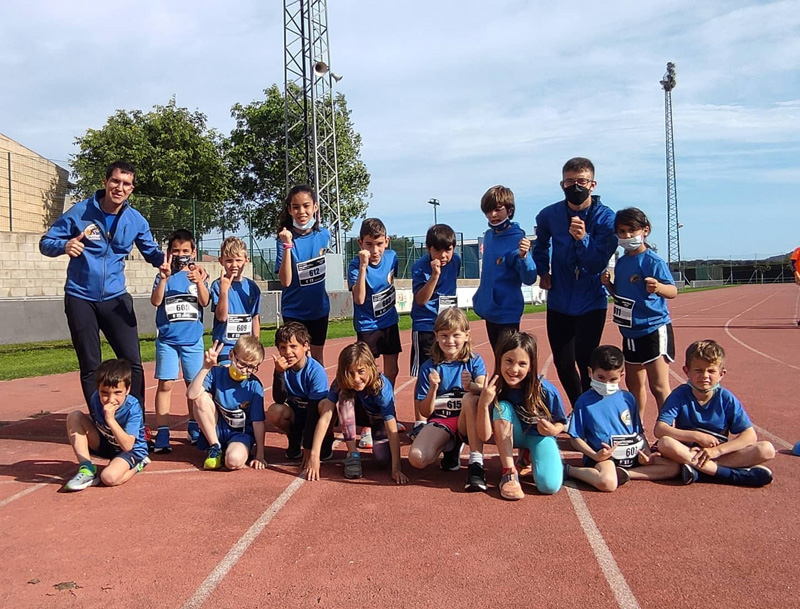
(633, 243)
(305, 226)
(604, 389)
(713, 389)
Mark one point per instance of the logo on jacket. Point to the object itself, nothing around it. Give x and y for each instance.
(635, 278)
(625, 417)
(499, 261)
(92, 232)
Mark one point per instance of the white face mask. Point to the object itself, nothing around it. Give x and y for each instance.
(305, 226)
(605, 389)
(634, 243)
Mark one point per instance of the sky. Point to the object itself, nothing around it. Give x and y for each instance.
(453, 97)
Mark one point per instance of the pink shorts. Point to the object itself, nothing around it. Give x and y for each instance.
(449, 424)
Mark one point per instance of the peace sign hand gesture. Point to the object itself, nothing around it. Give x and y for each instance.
(212, 355)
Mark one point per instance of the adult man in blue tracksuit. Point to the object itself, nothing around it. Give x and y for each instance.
(581, 230)
(97, 234)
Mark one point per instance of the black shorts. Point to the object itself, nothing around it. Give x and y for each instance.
(385, 341)
(317, 328)
(421, 343)
(646, 349)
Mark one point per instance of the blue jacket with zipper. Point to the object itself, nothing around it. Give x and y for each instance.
(98, 274)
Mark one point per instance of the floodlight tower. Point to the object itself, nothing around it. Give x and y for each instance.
(309, 118)
(668, 83)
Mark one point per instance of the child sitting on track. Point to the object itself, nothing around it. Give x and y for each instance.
(114, 430)
(605, 426)
(229, 405)
(697, 420)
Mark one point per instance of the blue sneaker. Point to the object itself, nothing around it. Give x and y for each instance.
(193, 429)
(162, 441)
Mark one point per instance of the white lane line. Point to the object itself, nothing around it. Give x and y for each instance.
(616, 581)
(21, 494)
(232, 557)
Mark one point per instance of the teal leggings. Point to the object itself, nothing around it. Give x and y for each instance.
(548, 470)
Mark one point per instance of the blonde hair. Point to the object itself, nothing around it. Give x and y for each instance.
(355, 354)
(707, 350)
(249, 349)
(454, 320)
(231, 247)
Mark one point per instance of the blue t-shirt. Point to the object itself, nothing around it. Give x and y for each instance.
(450, 391)
(306, 298)
(376, 405)
(308, 383)
(637, 312)
(129, 416)
(244, 303)
(179, 317)
(722, 415)
(378, 310)
(552, 399)
(239, 403)
(423, 317)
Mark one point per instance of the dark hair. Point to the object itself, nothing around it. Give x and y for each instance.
(285, 218)
(534, 402)
(578, 163)
(633, 217)
(294, 328)
(124, 167)
(606, 357)
(498, 196)
(181, 234)
(112, 372)
(440, 236)
(372, 227)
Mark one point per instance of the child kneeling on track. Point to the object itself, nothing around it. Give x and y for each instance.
(114, 430)
(697, 420)
(527, 412)
(229, 405)
(446, 393)
(360, 395)
(605, 426)
(299, 383)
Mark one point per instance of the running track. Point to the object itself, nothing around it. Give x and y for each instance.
(176, 536)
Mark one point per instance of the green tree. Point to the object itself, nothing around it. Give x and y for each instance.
(256, 156)
(178, 159)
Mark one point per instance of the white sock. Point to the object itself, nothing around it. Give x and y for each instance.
(419, 424)
(475, 457)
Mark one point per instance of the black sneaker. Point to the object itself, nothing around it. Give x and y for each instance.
(752, 476)
(688, 474)
(623, 477)
(295, 450)
(476, 478)
(451, 459)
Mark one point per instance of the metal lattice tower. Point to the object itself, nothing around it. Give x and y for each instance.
(309, 111)
(668, 83)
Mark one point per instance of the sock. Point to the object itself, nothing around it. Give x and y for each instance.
(160, 427)
(89, 465)
(724, 474)
(419, 424)
(475, 457)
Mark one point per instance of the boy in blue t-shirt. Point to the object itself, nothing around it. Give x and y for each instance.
(229, 405)
(235, 300)
(114, 430)
(704, 427)
(606, 428)
(434, 283)
(299, 383)
(180, 292)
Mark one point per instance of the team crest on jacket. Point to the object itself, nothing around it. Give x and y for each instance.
(625, 417)
(92, 232)
(499, 261)
(390, 277)
(635, 278)
(193, 289)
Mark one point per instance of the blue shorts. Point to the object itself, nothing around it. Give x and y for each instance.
(168, 356)
(226, 436)
(107, 450)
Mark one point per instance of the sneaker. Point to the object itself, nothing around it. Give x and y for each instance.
(326, 451)
(193, 430)
(352, 466)
(510, 487)
(451, 460)
(214, 458)
(83, 479)
(523, 464)
(755, 476)
(366, 438)
(415, 432)
(400, 427)
(162, 441)
(623, 477)
(688, 474)
(142, 464)
(295, 450)
(566, 471)
(476, 478)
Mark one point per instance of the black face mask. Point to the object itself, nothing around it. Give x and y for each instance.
(178, 262)
(576, 194)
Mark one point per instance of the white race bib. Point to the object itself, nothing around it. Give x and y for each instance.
(626, 449)
(182, 307)
(238, 325)
(383, 302)
(623, 311)
(447, 405)
(311, 271)
(234, 418)
(447, 302)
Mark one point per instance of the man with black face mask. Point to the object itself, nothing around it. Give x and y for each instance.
(581, 229)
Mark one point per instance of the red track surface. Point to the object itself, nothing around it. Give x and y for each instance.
(177, 536)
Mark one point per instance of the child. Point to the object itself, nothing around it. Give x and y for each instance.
(507, 264)
(447, 388)
(114, 430)
(229, 405)
(298, 385)
(605, 426)
(360, 395)
(235, 300)
(300, 264)
(697, 420)
(527, 413)
(180, 292)
(642, 284)
(370, 277)
(433, 279)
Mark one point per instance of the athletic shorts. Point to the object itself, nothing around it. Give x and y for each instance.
(449, 424)
(226, 436)
(317, 328)
(421, 343)
(107, 450)
(168, 357)
(385, 341)
(646, 349)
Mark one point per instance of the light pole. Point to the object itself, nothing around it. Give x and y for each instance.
(435, 203)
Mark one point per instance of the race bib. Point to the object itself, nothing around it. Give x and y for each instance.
(108, 435)
(383, 302)
(234, 418)
(238, 325)
(448, 404)
(182, 307)
(447, 302)
(311, 271)
(623, 311)
(626, 449)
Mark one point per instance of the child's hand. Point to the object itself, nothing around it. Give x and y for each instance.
(363, 258)
(258, 463)
(285, 236)
(212, 355)
(604, 454)
(466, 380)
(399, 477)
(197, 273)
(109, 410)
(74, 247)
(433, 378)
(651, 285)
(436, 268)
(547, 428)
(165, 270)
(706, 440)
(489, 391)
(577, 228)
(281, 365)
(701, 456)
(645, 459)
(225, 281)
(524, 246)
(605, 279)
(312, 468)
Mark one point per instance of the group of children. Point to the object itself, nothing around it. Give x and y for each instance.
(703, 430)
